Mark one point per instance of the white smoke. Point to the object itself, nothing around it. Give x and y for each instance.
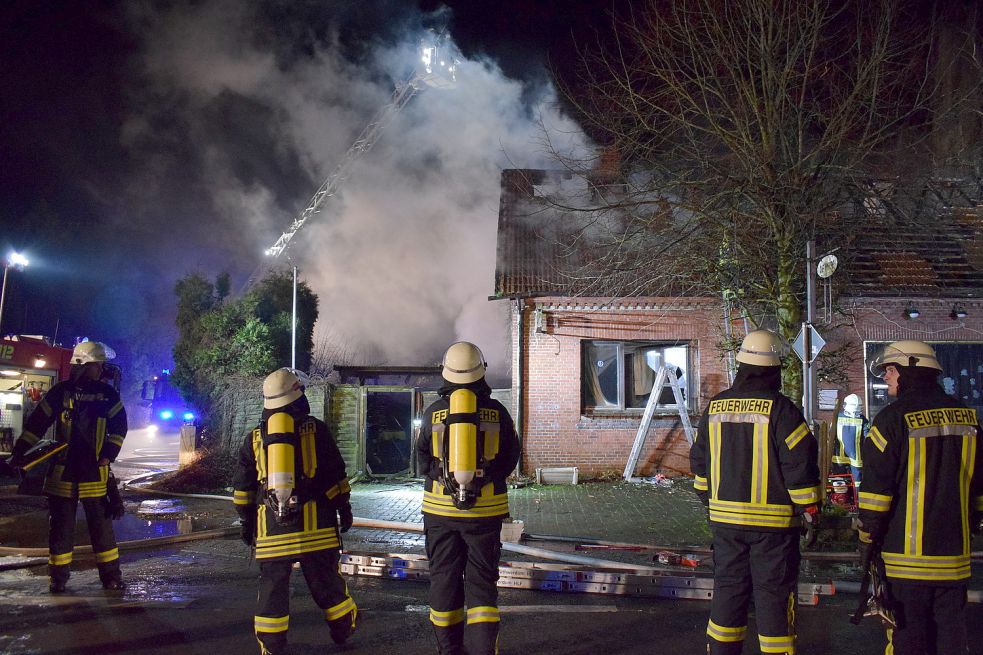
(403, 258)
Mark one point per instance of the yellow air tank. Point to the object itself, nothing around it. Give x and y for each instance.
(463, 446)
(280, 473)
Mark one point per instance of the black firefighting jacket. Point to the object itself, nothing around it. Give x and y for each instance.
(321, 482)
(497, 456)
(89, 416)
(923, 477)
(754, 458)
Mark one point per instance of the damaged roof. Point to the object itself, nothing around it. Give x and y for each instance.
(943, 258)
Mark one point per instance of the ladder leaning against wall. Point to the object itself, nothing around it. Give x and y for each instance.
(665, 375)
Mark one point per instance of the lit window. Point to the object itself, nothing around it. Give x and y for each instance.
(617, 376)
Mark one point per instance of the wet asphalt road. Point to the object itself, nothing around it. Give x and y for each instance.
(198, 598)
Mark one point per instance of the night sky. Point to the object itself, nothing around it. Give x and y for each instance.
(142, 141)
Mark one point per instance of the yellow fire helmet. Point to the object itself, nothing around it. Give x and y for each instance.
(463, 363)
(92, 351)
(905, 353)
(282, 387)
(762, 348)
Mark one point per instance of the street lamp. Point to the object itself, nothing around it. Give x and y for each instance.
(18, 261)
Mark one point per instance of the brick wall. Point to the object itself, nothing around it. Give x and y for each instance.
(554, 427)
(555, 430)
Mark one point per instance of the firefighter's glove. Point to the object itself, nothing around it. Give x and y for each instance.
(247, 529)
(345, 517)
(811, 517)
(868, 551)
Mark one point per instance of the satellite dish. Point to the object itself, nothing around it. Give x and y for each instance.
(827, 266)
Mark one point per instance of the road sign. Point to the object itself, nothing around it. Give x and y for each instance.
(817, 342)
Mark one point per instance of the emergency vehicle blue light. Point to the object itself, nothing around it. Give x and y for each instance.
(166, 414)
(188, 416)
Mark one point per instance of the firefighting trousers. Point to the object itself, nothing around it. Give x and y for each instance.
(61, 538)
(762, 565)
(932, 620)
(327, 587)
(464, 558)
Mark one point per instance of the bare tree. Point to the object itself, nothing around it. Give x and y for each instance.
(735, 131)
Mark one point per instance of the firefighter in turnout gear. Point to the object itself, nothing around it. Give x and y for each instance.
(89, 417)
(755, 466)
(466, 450)
(292, 495)
(851, 428)
(921, 500)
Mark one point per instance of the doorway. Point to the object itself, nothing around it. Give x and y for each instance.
(388, 432)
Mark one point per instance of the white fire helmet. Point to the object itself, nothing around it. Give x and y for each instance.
(762, 348)
(905, 353)
(851, 405)
(463, 363)
(92, 351)
(282, 387)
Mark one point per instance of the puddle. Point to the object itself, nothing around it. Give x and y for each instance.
(144, 520)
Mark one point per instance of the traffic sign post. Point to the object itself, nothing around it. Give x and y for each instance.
(808, 334)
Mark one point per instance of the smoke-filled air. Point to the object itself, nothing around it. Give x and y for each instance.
(250, 115)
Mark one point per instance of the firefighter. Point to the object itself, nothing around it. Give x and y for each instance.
(921, 499)
(90, 418)
(466, 450)
(755, 466)
(851, 428)
(292, 495)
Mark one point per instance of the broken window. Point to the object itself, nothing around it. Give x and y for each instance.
(617, 376)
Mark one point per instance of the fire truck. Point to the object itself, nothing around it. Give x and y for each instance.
(29, 367)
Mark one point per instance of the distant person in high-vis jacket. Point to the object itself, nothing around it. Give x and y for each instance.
(89, 417)
(755, 466)
(922, 499)
(292, 495)
(466, 449)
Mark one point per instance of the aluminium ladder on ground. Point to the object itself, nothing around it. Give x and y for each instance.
(665, 375)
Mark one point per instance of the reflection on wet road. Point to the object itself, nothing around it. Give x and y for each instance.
(147, 450)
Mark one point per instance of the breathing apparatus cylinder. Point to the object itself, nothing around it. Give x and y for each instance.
(281, 480)
(463, 446)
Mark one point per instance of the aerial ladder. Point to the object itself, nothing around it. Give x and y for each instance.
(437, 68)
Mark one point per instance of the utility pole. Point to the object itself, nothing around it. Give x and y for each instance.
(808, 370)
(293, 326)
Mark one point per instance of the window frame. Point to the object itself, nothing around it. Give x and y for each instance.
(621, 409)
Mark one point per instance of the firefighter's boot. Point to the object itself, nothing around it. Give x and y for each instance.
(57, 578)
(342, 629)
(111, 576)
(450, 639)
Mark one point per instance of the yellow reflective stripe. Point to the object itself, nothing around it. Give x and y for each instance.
(486, 505)
(722, 633)
(915, 497)
(308, 452)
(797, 435)
(875, 502)
(343, 487)
(751, 519)
(877, 438)
(28, 437)
(735, 506)
(335, 612)
(100, 433)
(271, 623)
(804, 496)
(116, 439)
(60, 559)
(700, 483)
(783, 644)
(448, 618)
(491, 431)
(299, 548)
(310, 516)
(759, 464)
(295, 537)
(978, 501)
(243, 497)
(107, 556)
(966, 465)
(115, 409)
(483, 614)
(714, 432)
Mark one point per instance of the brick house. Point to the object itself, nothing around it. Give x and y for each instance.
(579, 375)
